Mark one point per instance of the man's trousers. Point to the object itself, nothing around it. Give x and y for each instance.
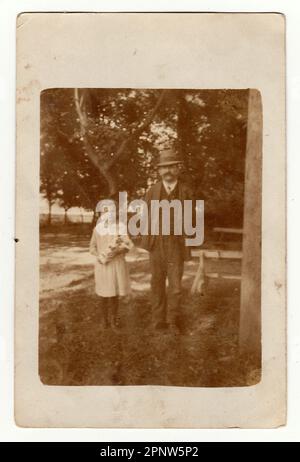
(166, 263)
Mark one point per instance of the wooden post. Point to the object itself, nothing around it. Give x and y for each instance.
(198, 284)
(250, 312)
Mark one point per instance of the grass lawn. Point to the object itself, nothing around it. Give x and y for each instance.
(75, 349)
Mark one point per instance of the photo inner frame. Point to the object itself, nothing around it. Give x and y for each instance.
(114, 322)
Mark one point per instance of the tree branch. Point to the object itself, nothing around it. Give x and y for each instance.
(104, 166)
(136, 132)
(83, 129)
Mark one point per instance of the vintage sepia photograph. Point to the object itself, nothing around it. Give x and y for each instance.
(150, 220)
(129, 296)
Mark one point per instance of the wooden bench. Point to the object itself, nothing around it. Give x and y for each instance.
(223, 231)
(201, 275)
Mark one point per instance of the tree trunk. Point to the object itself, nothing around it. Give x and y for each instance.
(49, 212)
(183, 127)
(94, 219)
(66, 216)
(111, 181)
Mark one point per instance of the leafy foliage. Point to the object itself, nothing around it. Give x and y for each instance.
(95, 142)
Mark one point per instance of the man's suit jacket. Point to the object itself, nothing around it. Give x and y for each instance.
(154, 193)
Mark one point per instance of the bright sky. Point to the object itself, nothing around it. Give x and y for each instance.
(56, 209)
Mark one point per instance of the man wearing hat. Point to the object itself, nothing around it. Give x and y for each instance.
(167, 252)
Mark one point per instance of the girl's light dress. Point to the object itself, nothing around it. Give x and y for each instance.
(112, 278)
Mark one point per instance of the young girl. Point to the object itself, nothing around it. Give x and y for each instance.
(111, 272)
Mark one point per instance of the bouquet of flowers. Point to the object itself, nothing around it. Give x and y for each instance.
(120, 245)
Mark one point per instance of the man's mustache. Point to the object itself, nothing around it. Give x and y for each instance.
(168, 174)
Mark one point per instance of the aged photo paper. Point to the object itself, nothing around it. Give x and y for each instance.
(150, 220)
